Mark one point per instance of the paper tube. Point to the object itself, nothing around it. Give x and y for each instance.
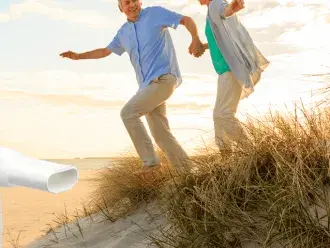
(19, 170)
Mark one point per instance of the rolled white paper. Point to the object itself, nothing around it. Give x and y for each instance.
(19, 170)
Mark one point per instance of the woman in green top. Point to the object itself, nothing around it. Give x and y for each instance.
(238, 64)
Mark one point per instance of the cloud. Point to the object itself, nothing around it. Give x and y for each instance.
(310, 36)
(280, 15)
(56, 11)
(305, 2)
(62, 100)
(62, 88)
(96, 86)
(288, 25)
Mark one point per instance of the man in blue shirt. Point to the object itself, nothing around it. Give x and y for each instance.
(147, 41)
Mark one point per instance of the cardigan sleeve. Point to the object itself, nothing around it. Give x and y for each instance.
(217, 8)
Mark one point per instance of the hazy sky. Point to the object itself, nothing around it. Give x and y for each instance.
(55, 107)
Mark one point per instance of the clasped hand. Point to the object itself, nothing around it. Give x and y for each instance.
(196, 48)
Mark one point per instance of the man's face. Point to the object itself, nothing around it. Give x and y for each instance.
(204, 2)
(131, 8)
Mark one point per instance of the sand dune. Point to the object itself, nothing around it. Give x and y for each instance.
(98, 232)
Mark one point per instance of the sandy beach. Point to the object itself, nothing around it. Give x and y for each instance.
(30, 211)
(128, 232)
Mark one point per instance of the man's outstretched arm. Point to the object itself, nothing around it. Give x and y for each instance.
(94, 54)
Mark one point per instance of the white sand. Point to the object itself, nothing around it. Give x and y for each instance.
(126, 232)
(98, 232)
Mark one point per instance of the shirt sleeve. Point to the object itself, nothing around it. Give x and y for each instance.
(115, 45)
(165, 17)
(217, 8)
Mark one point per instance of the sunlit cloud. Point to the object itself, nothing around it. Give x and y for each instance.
(56, 11)
(280, 15)
(62, 88)
(306, 2)
(312, 35)
(62, 100)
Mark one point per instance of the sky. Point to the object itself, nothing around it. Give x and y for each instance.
(58, 108)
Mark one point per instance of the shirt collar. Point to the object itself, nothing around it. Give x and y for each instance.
(142, 10)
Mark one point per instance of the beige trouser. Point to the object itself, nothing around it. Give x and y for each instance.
(150, 101)
(226, 126)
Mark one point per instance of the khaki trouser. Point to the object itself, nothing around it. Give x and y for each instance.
(226, 126)
(150, 101)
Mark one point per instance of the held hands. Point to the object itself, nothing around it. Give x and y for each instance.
(196, 48)
(199, 51)
(70, 55)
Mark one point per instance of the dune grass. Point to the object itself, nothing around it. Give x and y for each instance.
(272, 191)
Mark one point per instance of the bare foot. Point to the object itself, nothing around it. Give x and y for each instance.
(147, 169)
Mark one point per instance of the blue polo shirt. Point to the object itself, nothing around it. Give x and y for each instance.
(149, 45)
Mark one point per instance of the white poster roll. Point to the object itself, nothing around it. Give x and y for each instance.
(19, 170)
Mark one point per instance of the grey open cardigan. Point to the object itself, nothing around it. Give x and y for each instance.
(243, 58)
